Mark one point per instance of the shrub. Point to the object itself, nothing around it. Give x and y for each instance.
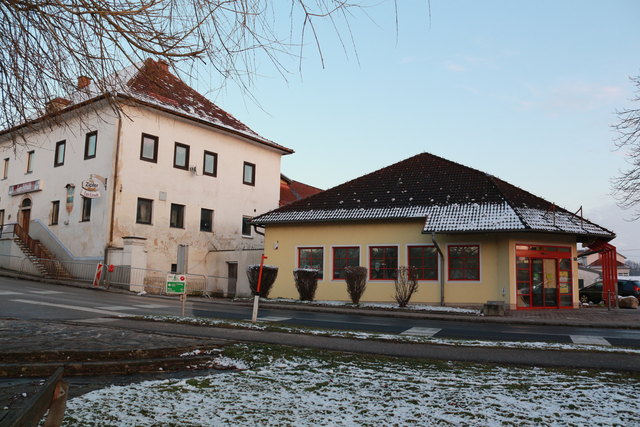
(406, 285)
(269, 274)
(356, 278)
(306, 283)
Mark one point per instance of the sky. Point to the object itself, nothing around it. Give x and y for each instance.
(526, 91)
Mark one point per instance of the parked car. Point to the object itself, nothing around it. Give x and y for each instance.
(627, 286)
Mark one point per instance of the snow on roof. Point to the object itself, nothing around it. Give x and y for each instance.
(151, 84)
(450, 197)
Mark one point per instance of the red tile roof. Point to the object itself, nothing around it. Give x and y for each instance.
(152, 85)
(448, 195)
(291, 191)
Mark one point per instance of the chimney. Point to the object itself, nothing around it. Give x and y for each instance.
(83, 81)
(56, 104)
(164, 65)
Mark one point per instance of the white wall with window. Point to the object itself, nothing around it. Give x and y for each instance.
(49, 170)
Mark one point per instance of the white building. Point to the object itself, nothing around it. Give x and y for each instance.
(168, 168)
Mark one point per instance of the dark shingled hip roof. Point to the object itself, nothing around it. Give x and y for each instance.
(450, 197)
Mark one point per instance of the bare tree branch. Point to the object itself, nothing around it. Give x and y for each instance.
(45, 45)
(626, 186)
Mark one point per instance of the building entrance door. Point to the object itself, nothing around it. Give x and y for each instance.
(25, 215)
(544, 283)
(543, 275)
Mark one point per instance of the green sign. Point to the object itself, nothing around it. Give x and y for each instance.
(176, 284)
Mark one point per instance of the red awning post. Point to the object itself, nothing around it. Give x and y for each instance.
(608, 259)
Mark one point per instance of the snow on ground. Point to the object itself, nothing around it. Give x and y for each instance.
(379, 305)
(280, 386)
(279, 327)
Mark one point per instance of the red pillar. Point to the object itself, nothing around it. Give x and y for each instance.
(608, 260)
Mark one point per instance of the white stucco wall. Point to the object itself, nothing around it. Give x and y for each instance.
(225, 194)
(82, 239)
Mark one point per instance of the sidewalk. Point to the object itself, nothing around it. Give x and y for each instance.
(596, 317)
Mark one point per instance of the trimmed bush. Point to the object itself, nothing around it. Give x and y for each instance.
(269, 274)
(356, 278)
(406, 285)
(306, 283)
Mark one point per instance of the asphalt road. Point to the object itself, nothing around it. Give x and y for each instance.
(22, 299)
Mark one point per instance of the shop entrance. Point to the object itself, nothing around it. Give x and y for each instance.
(543, 275)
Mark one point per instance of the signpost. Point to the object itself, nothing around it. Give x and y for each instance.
(177, 285)
(256, 298)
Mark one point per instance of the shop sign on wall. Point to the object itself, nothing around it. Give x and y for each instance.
(90, 189)
(25, 187)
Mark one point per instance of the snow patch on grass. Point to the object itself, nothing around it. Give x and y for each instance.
(302, 387)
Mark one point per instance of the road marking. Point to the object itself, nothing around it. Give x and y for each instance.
(98, 320)
(272, 319)
(530, 333)
(71, 307)
(588, 339)
(45, 292)
(10, 293)
(150, 305)
(116, 307)
(423, 332)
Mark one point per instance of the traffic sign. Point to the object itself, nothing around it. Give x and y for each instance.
(176, 284)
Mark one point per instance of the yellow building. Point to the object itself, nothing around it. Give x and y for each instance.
(472, 238)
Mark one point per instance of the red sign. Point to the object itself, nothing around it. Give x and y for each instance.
(25, 187)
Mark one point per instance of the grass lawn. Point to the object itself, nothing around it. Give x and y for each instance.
(282, 386)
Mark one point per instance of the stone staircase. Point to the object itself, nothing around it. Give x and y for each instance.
(41, 258)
